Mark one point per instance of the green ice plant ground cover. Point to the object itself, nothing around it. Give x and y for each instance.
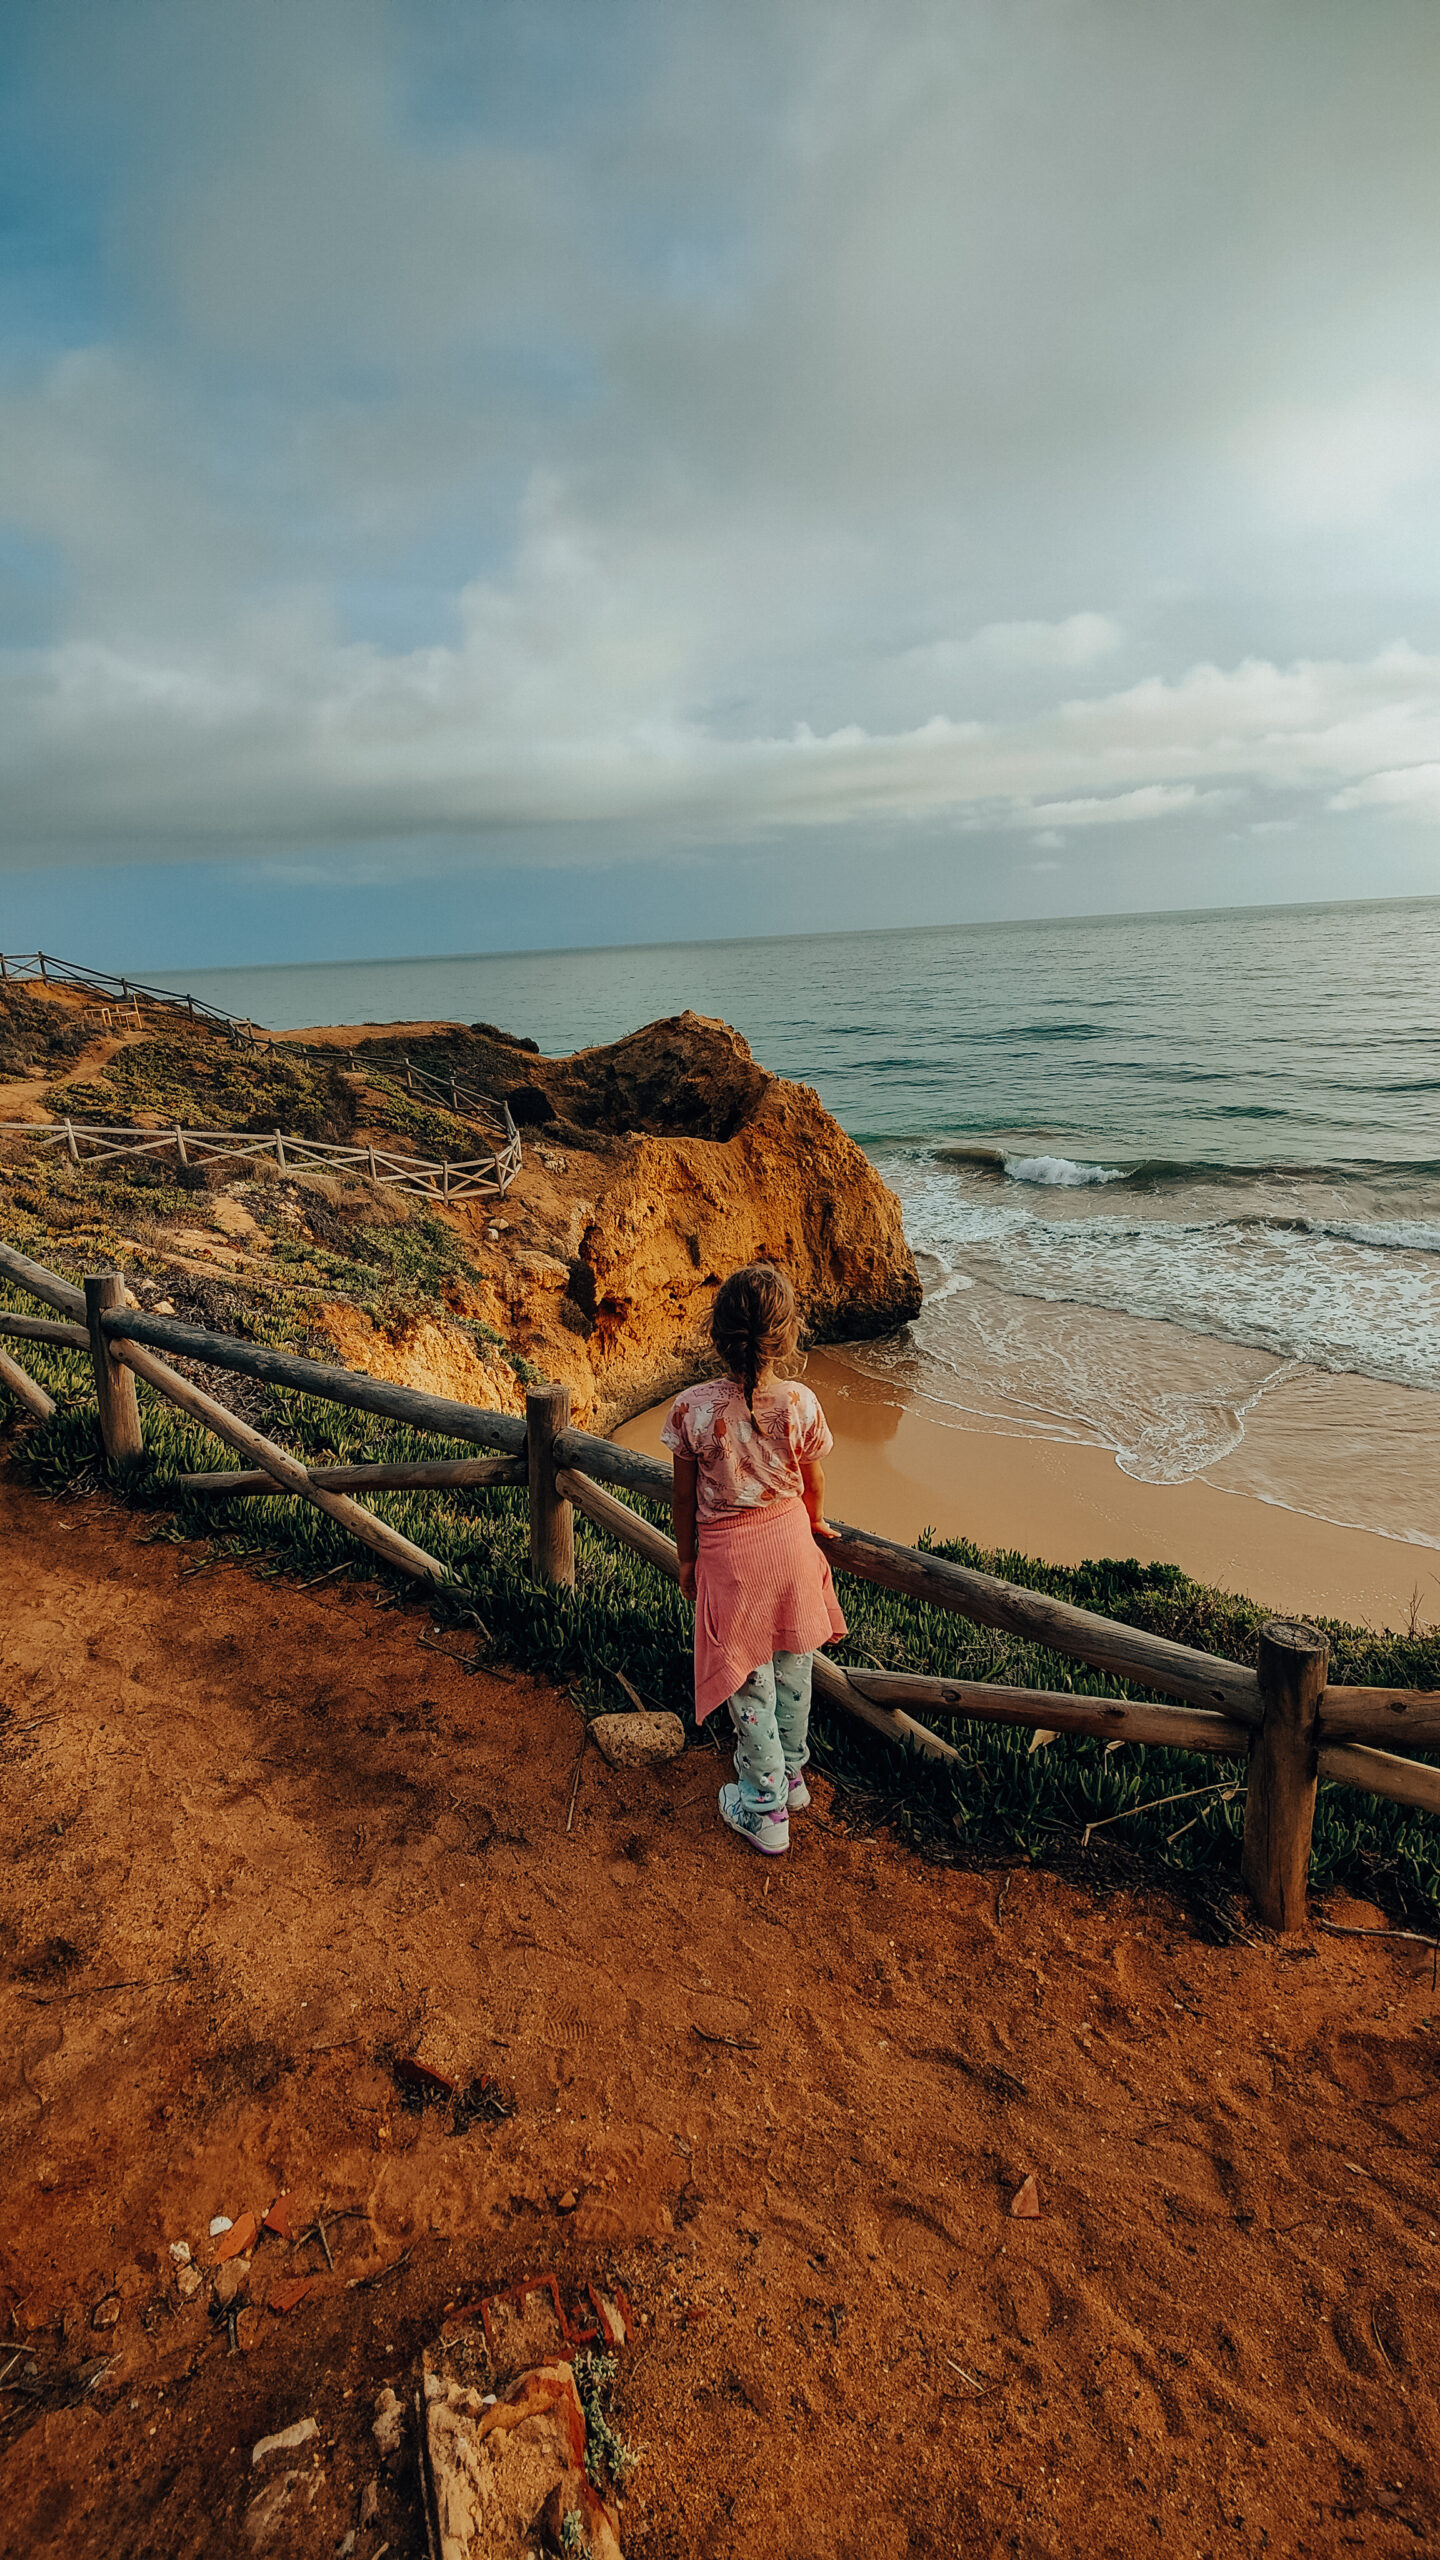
(1005, 1800)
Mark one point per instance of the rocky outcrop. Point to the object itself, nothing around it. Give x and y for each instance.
(653, 1166)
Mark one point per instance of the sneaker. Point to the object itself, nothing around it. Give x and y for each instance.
(798, 1792)
(767, 1832)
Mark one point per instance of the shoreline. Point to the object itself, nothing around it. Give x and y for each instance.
(896, 1470)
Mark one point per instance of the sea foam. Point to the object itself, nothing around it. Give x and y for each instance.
(1060, 1173)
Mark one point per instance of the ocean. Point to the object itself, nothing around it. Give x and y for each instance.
(1173, 1181)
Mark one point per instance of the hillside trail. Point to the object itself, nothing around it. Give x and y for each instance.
(261, 1840)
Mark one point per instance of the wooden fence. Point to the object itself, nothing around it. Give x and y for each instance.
(91, 1142)
(465, 1100)
(16, 967)
(86, 1142)
(1292, 1727)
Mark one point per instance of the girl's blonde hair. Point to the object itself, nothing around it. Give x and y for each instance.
(754, 1323)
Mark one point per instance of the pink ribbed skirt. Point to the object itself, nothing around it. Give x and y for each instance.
(762, 1586)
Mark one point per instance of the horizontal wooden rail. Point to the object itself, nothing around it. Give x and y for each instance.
(289, 1475)
(433, 1475)
(45, 1285)
(1399, 1719)
(468, 1178)
(71, 1337)
(1059, 1711)
(1127, 1653)
(27, 1391)
(353, 1387)
(830, 1682)
(1380, 1773)
(605, 1462)
(891, 1723)
(607, 1513)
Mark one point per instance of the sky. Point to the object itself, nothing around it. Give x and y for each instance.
(488, 474)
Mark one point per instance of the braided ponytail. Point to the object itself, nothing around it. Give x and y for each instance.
(753, 1323)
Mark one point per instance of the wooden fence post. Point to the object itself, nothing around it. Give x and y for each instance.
(1280, 1797)
(552, 1521)
(114, 1386)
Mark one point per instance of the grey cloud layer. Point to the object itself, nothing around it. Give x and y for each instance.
(743, 418)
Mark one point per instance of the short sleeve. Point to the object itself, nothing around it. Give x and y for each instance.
(675, 1431)
(813, 1436)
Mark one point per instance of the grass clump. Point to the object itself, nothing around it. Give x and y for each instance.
(35, 1035)
(609, 2460)
(210, 1085)
(426, 1127)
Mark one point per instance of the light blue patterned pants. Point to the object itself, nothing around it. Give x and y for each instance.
(771, 1717)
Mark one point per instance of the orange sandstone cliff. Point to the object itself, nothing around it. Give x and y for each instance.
(652, 1166)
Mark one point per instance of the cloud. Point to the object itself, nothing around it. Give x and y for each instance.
(1121, 808)
(1347, 462)
(1008, 648)
(564, 701)
(713, 421)
(1078, 641)
(1412, 792)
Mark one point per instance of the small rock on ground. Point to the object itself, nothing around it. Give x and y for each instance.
(289, 2440)
(635, 1741)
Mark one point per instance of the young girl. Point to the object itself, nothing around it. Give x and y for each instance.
(748, 1479)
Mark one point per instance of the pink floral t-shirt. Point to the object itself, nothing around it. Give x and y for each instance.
(746, 1458)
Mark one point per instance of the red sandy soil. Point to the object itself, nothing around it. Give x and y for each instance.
(257, 1838)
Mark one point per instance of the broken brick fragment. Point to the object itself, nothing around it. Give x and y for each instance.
(238, 2240)
(289, 2296)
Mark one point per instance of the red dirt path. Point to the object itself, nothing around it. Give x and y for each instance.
(291, 1838)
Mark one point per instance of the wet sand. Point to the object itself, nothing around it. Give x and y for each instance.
(897, 1470)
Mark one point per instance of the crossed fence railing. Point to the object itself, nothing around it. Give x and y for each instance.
(92, 1142)
(89, 1141)
(465, 1100)
(1291, 1725)
(18, 967)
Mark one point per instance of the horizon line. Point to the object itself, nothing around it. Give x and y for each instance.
(834, 933)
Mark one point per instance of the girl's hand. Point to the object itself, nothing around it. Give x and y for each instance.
(822, 1529)
(687, 1580)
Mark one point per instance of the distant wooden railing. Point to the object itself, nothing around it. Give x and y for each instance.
(92, 1142)
(465, 1100)
(19, 966)
(1282, 1717)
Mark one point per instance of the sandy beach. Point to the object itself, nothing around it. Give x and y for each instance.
(897, 1470)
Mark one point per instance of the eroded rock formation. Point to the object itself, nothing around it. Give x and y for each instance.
(653, 1166)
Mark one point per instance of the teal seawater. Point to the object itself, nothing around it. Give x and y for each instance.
(1251, 1036)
